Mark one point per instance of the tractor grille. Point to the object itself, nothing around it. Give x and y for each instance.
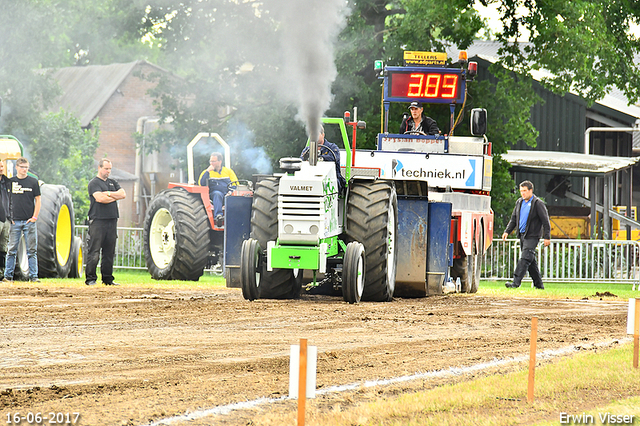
(297, 207)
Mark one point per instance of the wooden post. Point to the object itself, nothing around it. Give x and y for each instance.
(532, 357)
(302, 382)
(636, 333)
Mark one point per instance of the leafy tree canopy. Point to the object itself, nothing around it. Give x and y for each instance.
(227, 59)
(585, 44)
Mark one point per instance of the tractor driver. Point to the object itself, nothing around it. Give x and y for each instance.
(328, 151)
(220, 180)
(418, 123)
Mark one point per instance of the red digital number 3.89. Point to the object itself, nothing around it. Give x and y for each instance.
(432, 86)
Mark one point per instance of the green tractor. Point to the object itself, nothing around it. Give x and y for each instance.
(300, 221)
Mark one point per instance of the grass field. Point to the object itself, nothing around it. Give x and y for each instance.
(592, 291)
(585, 384)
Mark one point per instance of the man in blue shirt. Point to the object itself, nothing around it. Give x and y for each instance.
(532, 220)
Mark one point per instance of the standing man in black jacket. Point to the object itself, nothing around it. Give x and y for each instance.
(531, 220)
(104, 193)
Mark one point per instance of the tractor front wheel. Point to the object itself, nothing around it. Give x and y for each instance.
(353, 272)
(250, 269)
(77, 260)
(279, 283)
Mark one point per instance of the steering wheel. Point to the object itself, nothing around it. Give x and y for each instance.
(232, 185)
(415, 132)
(333, 154)
(305, 156)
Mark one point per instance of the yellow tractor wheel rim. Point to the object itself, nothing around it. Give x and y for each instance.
(64, 239)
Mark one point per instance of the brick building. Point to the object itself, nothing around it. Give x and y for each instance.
(117, 95)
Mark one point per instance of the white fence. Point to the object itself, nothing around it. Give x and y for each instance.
(129, 247)
(570, 260)
(562, 261)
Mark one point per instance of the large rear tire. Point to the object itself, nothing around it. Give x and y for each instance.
(176, 236)
(372, 219)
(279, 283)
(55, 232)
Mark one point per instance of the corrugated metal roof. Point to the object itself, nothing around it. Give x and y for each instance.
(488, 50)
(87, 89)
(566, 163)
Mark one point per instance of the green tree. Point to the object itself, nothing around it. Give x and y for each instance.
(61, 152)
(586, 45)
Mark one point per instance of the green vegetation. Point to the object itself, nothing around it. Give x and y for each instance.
(227, 56)
(575, 291)
(139, 278)
(590, 383)
(564, 290)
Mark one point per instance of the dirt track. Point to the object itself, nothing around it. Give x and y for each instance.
(127, 355)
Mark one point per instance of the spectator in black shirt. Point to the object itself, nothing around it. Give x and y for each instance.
(103, 223)
(25, 207)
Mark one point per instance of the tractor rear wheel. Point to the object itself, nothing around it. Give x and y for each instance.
(176, 236)
(372, 219)
(279, 283)
(55, 232)
(353, 272)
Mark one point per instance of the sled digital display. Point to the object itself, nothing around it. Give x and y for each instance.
(439, 85)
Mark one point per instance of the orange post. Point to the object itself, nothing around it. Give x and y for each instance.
(532, 357)
(636, 333)
(302, 382)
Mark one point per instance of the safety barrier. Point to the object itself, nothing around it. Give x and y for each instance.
(562, 261)
(129, 247)
(569, 260)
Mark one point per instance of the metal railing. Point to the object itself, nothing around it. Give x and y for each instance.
(563, 261)
(569, 260)
(129, 247)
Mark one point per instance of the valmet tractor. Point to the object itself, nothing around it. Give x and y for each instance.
(300, 221)
(415, 215)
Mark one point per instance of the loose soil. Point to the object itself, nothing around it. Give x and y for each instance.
(130, 356)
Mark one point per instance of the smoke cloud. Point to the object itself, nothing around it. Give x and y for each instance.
(309, 29)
